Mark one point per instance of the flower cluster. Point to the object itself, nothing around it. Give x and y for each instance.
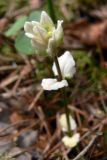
(75, 138)
(44, 36)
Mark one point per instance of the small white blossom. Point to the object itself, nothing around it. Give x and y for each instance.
(52, 84)
(71, 142)
(43, 33)
(67, 65)
(56, 39)
(63, 122)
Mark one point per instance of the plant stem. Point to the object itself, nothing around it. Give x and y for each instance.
(51, 10)
(64, 96)
(67, 112)
(58, 68)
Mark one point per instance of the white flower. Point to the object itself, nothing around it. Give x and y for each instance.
(71, 142)
(43, 33)
(52, 84)
(67, 65)
(63, 122)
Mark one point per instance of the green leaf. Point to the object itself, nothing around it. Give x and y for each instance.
(34, 16)
(23, 45)
(16, 26)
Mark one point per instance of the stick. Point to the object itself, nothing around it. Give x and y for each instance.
(83, 152)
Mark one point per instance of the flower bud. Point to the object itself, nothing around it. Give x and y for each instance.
(63, 123)
(71, 142)
(67, 65)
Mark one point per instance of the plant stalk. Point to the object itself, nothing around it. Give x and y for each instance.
(63, 92)
(51, 10)
(58, 68)
(67, 112)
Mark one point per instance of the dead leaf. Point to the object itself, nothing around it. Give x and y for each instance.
(87, 33)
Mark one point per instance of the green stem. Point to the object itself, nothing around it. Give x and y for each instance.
(67, 112)
(64, 96)
(58, 68)
(51, 10)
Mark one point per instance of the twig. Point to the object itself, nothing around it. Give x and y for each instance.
(14, 154)
(22, 122)
(9, 67)
(43, 120)
(83, 152)
(25, 71)
(8, 81)
(35, 100)
(103, 122)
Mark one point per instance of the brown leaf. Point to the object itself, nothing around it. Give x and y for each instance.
(88, 34)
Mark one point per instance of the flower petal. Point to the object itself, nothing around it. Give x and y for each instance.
(52, 84)
(35, 23)
(28, 27)
(46, 21)
(40, 33)
(58, 32)
(29, 35)
(63, 122)
(67, 65)
(69, 69)
(71, 142)
(37, 45)
(51, 46)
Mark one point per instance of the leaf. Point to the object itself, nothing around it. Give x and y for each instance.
(23, 45)
(34, 16)
(16, 26)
